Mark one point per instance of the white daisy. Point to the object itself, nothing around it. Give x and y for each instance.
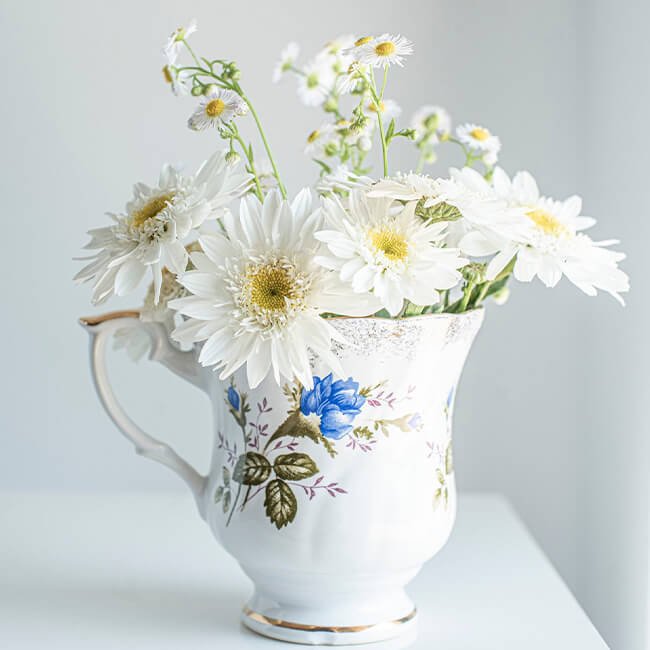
(217, 107)
(150, 233)
(431, 123)
(387, 107)
(336, 54)
(322, 142)
(287, 60)
(383, 50)
(258, 294)
(175, 41)
(354, 77)
(391, 255)
(316, 82)
(342, 179)
(553, 244)
(180, 80)
(478, 138)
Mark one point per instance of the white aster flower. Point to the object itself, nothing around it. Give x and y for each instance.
(175, 41)
(382, 51)
(431, 123)
(258, 293)
(179, 80)
(553, 245)
(393, 256)
(216, 108)
(316, 82)
(355, 75)
(342, 179)
(287, 60)
(478, 138)
(388, 108)
(322, 142)
(150, 233)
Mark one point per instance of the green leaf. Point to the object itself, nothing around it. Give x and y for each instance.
(439, 212)
(390, 131)
(218, 495)
(280, 503)
(296, 426)
(226, 501)
(295, 466)
(226, 476)
(449, 459)
(251, 469)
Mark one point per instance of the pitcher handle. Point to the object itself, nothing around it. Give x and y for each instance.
(182, 363)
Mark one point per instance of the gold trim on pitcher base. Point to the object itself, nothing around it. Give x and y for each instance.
(334, 629)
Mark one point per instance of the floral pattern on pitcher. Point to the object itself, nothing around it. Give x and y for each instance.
(325, 415)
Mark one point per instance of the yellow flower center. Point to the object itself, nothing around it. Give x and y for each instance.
(270, 287)
(215, 107)
(313, 136)
(392, 244)
(373, 107)
(547, 222)
(167, 74)
(385, 49)
(362, 41)
(479, 133)
(312, 80)
(150, 209)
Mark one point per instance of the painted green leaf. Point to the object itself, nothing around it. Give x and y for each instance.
(439, 212)
(226, 501)
(218, 495)
(295, 466)
(449, 459)
(251, 469)
(226, 476)
(296, 426)
(280, 503)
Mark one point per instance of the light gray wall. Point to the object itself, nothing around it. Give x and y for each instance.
(85, 114)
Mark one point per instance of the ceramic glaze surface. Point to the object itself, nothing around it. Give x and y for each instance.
(330, 498)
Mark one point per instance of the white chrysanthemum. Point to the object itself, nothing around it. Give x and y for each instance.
(387, 107)
(553, 245)
(431, 123)
(150, 233)
(482, 224)
(382, 51)
(175, 41)
(216, 108)
(478, 138)
(322, 142)
(316, 82)
(393, 256)
(342, 179)
(287, 60)
(258, 293)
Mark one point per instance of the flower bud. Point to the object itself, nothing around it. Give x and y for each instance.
(501, 296)
(197, 90)
(331, 149)
(331, 105)
(232, 158)
(210, 88)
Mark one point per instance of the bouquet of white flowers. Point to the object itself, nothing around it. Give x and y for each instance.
(257, 283)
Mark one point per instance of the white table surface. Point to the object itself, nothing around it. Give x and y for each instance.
(141, 571)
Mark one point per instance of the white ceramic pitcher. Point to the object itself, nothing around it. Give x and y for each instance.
(330, 499)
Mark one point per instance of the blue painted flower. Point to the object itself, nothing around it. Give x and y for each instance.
(233, 397)
(336, 403)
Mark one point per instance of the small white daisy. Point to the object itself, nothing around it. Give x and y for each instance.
(150, 233)
(383, 50)
(431, 123)
(335, 52)
(322, 142)
(341, 180)
(478, 138)
(387, 107)
(217, 107)
(353, 78)
(175, 41)
(316, 82)
(553, 245)
(179, 80)
(258, 293)
(387, 254)
(287, 60)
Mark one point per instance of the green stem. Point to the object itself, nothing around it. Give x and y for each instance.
(265, 142)
(191, 51)
(234, 504)
(380, 124)
(485, 287)
(251, 164)
(466, 296)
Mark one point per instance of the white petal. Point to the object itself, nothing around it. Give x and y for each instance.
(128, 276)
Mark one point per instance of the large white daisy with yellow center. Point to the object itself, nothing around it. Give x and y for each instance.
(150, 233)
(382, 51)
(386, 251)
(217, 107)
(552, 244)
(258, 294)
